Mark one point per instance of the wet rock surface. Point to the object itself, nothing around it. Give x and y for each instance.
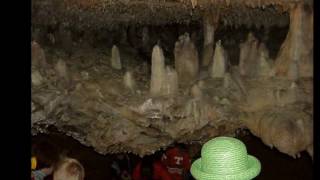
(98, 109)
(158, 93)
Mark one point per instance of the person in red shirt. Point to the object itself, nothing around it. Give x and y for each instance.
(177, 161)
(150, 169)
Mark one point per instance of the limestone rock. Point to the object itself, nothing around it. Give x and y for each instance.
(293, 71)
(115, 58)
(207, 54)
(297, 49)
(219, 65)
(37, 55)
(291, 130)
(170, 83)
(249, 54)
(61, 69)
(264, 66)
(196, 91)
(129, 81)
(186, 59)
(227, 80)
(158, 73)
(210, 22)
(225, 101)
(287, 96)
(36, 78)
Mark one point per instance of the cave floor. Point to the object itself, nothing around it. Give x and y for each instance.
(275, 165)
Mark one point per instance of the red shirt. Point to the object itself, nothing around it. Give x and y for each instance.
(177, 161)
(159, 172)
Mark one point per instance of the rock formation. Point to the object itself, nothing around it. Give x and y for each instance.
(37, 55)
(170, 85)
(129, 81)
(291, 130)
(210, 22)
(196, 91)
(264, 66)
(249, 53)
(295, 57)
(96, 108)
(219, 65)
(61, 69)
(158, 73)
(115, 58)
(186, 59)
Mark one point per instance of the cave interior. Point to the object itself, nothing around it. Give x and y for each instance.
(136, 76)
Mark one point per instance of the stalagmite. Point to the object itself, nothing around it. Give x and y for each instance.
(186, 59)
(196, 91)
(158, 73)
(170, 83)
(209, 26)
(61, 69)
(248, 56)
(219, 64)
(118, 111)
(37, 55)
(298, 46)
(129, 81)
(115, 58)
(36, 78)
(264, 62)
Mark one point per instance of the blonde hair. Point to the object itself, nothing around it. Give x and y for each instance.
(68, 169)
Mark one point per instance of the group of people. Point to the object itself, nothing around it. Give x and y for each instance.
(221, 158)
(48, 163)
(173, 164)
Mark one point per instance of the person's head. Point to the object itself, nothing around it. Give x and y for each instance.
(147, 167)
(68, 169)
(46, 153)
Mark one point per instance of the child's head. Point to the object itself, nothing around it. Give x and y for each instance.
(68, 169)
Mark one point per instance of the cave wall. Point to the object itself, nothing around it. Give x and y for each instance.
(115, 108)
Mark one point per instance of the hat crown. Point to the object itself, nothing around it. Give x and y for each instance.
(224, 155)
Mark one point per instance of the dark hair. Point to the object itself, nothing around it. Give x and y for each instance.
(46, 153)
(147, 167)
(181, 146)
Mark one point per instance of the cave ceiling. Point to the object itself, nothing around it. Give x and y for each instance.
(110, 13)
(115, 104)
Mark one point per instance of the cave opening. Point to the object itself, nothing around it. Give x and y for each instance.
(132, 78)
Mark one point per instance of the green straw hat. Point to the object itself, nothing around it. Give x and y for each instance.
(225, 158)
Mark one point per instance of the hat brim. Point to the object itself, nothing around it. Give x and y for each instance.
(253, 170)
